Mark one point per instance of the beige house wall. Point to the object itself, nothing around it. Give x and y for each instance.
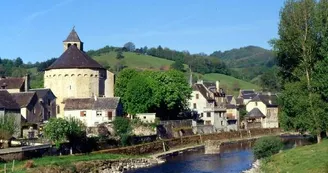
(91, 119)
(260, 105)
(271, 119)
(146, 117)
(13, 90)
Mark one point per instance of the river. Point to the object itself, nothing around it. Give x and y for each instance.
(234, 158)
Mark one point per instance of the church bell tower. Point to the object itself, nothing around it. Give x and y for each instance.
(73, 40)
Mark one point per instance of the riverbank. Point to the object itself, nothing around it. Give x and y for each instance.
(114, 163)
(310, 158)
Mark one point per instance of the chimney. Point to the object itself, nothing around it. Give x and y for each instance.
(217, 85)
(27, 82)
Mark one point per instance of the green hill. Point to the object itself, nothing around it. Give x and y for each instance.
(146, 62)
(133, 60)
(230, 84)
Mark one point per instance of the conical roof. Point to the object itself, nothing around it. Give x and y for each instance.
(73, 37)
(75, 58)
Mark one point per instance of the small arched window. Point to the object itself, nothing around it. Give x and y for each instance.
(75, 44)
(59, 75)
(96, 75)
(91, 75)
(66, 75)
(79, 75)
(68, 45)
(54, 75)
(85, 75)
(72, 75)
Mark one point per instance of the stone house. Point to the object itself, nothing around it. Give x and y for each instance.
(262, 111)
(76, 75)
(93, 111)
(47, 99)
(208, 100)
(15, 84)
(8, 106)
(37, 105)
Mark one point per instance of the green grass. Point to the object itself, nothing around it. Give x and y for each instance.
(64, 160)
(229, 82)
(133, 60)
(309, 159)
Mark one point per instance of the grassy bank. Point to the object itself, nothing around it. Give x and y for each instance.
(65, 161)
(309, 159)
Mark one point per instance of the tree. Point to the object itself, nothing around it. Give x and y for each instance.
(122, 81)
(300, 50)
(8, 126)
(139, 95)
(60, 130)
(123, 129)
(119, 55)
(270, 80)
(18, 62)
(177, 65)
(129, 46)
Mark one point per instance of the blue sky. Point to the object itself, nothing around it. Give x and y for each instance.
(34, 29)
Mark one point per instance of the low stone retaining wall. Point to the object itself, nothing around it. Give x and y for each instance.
(158, 146)
(101, 166)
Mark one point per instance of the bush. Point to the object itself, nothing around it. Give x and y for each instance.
(267, 146)
(123, 129)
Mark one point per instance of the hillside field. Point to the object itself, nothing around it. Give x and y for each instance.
(144, 62)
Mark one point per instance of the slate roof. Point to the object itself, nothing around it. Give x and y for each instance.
(7, 101)
(268, 100)
(72, 37)
(23, 98)
(41, 92)
(248, 94)
(102, 103)
(11, 83)
(75, 58)
(201, 88)
(229, 98)
(254, 114)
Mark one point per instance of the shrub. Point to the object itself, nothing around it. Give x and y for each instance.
(267, 146)
(8, 126)
(123, 129)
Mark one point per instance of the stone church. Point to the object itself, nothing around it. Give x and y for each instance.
(76, 75)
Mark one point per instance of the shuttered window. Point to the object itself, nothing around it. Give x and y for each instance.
(110, 115)
(83, 113)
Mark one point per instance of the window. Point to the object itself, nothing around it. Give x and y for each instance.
(49, 113)
(255, 103)
(83, 113)
(201, 115)
(197, 96)
(58, 109)
(207, 122)
(99, 113)
(110, 115)
(195, 106)
(3, 87)
(220, 114)
(208, 114)
(49, 101)
(221, 123)
(144, 117)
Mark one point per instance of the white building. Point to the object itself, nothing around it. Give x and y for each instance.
(262, 111)
(209, 101)
(146, 117)
(93, 111)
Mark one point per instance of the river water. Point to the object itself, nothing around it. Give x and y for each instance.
(234, 158)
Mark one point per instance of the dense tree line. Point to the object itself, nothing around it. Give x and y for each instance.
(164, 93)
(302, 57)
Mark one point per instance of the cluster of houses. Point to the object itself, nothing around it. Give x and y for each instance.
(223, 112)
(77, 86)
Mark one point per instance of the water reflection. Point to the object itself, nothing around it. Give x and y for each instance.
(234, 157)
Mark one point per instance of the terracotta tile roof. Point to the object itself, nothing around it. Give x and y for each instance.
(75, 58)
(23, 98)
(11, 83)
(72, 37)
(254, 114)
(102, 103)
(7, 101)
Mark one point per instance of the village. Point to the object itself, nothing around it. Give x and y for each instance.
(76, 86)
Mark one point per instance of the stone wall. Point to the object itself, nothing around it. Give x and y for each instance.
(176, 128)
(158, 146)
